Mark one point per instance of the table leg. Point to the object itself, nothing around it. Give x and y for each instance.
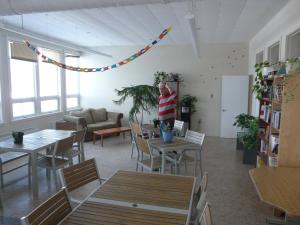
(123, 135)
(34, 183)
(163, 161)
(101, 140)
(94, 138)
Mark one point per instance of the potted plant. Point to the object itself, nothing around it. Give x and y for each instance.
(188, 101)
(144, 99)
(160, 76)
(167, 132)
(242, 121)
(250, 139)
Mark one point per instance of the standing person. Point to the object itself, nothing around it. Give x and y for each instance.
(167, 105)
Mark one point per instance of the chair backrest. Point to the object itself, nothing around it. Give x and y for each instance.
(201, 189)
(206, 218)
(136, 129)
(80, 174)
(142, 145)
(63, 145)
(79, 135)
(194, 137)
(52, 211)
(178, 126)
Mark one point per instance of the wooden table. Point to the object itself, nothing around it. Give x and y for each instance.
(133, 198)
(32, 144)
(110, 131)
(177, 144)
(280, 188)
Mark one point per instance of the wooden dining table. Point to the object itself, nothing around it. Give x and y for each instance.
(32, 144)
(177, 144)
(134, 198)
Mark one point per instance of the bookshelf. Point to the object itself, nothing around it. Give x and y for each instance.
(279, 113)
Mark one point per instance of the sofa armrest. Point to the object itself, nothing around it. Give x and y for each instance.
(116, 117)
(71, 123)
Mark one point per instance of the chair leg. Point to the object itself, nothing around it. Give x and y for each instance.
(55, 178)
(132, 150)
(1, 176)
(29, 171)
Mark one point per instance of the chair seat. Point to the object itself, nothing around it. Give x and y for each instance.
(156, 162)
(46, 162)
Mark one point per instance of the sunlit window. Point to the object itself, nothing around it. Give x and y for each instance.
(36, 84)
(72, 84)
(22, 79)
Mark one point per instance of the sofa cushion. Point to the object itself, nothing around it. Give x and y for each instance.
(99, 115)
(84, 114)
(101, 125)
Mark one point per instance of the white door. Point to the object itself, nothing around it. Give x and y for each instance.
(234, 102)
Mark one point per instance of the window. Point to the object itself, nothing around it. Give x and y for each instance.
(49, 82)
(36, 84)
(273, 53)
(72, 84)
(259, 57)
(293, 45)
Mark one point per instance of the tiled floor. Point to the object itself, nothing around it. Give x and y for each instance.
(230, 191)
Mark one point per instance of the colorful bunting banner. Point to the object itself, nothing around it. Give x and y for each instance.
(101, 69)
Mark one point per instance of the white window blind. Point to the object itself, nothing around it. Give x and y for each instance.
(293, 45)
(20, 51)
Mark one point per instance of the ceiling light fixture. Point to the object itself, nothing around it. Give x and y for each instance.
(191, 22)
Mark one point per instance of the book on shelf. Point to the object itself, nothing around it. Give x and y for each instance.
(276, 119)
(273, 160)
(277, 92)
(274, 141)
(265, 112)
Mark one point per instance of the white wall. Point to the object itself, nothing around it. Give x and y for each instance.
(201, 77)
(283, 24)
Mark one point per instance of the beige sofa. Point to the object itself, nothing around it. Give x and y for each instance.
(93, 119)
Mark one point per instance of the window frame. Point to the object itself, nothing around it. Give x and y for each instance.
(277, 43)
(61, 96)
(288, 45)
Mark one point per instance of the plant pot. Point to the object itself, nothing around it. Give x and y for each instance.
(167, 136)
(249, 156)
(18, 137)
(239, 141)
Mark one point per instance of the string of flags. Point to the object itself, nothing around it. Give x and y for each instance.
(101, 69)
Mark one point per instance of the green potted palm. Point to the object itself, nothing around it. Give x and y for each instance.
(242, 121)
(144, 99)
(250, 140)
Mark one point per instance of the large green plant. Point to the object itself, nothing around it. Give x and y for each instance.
(144, 99)
(189, 101)
(160, 76)
(257, 88)
(251, 135)
(243, 120)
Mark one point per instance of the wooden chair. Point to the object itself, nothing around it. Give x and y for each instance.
(152, 163)
(195, 138)
(206, 217)
(78, 175)
(78, 149)
(59, 157)
(52, 211)
(136, 130)
(199, 196)
(178, 127)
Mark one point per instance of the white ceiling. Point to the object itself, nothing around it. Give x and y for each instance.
(137, 24)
